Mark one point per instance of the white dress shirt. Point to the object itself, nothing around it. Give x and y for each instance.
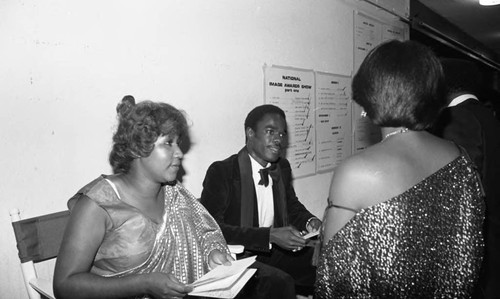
(265, 200)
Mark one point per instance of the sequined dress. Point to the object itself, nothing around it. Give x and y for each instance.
(424, 243)
(134, 243)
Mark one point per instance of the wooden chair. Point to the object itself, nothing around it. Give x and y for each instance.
(38, 239)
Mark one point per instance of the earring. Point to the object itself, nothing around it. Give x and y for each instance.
(363, 113)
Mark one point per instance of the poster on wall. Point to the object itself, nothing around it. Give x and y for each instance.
(293, 90)
(393, 32)
(367, 35)
(333, 120)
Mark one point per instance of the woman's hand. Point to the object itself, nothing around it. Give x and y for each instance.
(162, 285)
(217, 258)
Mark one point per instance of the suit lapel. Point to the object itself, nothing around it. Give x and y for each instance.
(280, 213)
(248, 200)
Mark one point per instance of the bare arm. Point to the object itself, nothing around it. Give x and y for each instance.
(345, 191)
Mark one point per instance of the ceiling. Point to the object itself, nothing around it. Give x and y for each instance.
(480, 23)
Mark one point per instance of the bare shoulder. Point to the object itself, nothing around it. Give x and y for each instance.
(353, 181)
(86, 212)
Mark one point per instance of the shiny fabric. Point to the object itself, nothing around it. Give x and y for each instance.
(134, 243)
(424, 243)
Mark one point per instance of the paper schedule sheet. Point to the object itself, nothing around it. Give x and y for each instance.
(224, 281)
(310, 235)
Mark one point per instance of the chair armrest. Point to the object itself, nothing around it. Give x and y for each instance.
(43, 286)
(236, 249)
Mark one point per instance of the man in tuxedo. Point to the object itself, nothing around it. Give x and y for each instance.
(250, 194)
(467, 122)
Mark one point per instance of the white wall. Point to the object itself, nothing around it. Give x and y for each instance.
(64, 65)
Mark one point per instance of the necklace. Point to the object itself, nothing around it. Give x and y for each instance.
(400, 131)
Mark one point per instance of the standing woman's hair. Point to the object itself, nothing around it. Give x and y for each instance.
(400, 84)
(139, 126)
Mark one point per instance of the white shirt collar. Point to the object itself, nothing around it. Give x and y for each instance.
(462, 98)
(256, 165)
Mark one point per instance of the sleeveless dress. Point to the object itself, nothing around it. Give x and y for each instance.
(135, 244)
(424, 243)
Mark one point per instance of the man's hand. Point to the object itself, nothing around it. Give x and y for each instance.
(287, 237)
(313, 225)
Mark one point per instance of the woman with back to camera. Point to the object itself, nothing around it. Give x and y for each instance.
(138, 232)
(405, 215)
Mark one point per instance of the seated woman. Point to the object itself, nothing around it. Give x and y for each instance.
(138, 232)
(405, 215)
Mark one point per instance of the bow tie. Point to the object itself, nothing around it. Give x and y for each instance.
(266, 172)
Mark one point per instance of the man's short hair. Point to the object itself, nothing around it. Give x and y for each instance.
(461, 76)
(400, 84)
(259, 112)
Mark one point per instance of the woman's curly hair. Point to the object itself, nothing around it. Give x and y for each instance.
(139, 126)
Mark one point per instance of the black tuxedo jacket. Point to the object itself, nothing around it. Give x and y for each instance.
(229, 195)
(473, 126)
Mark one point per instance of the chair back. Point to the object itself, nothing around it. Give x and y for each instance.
(38, 239)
